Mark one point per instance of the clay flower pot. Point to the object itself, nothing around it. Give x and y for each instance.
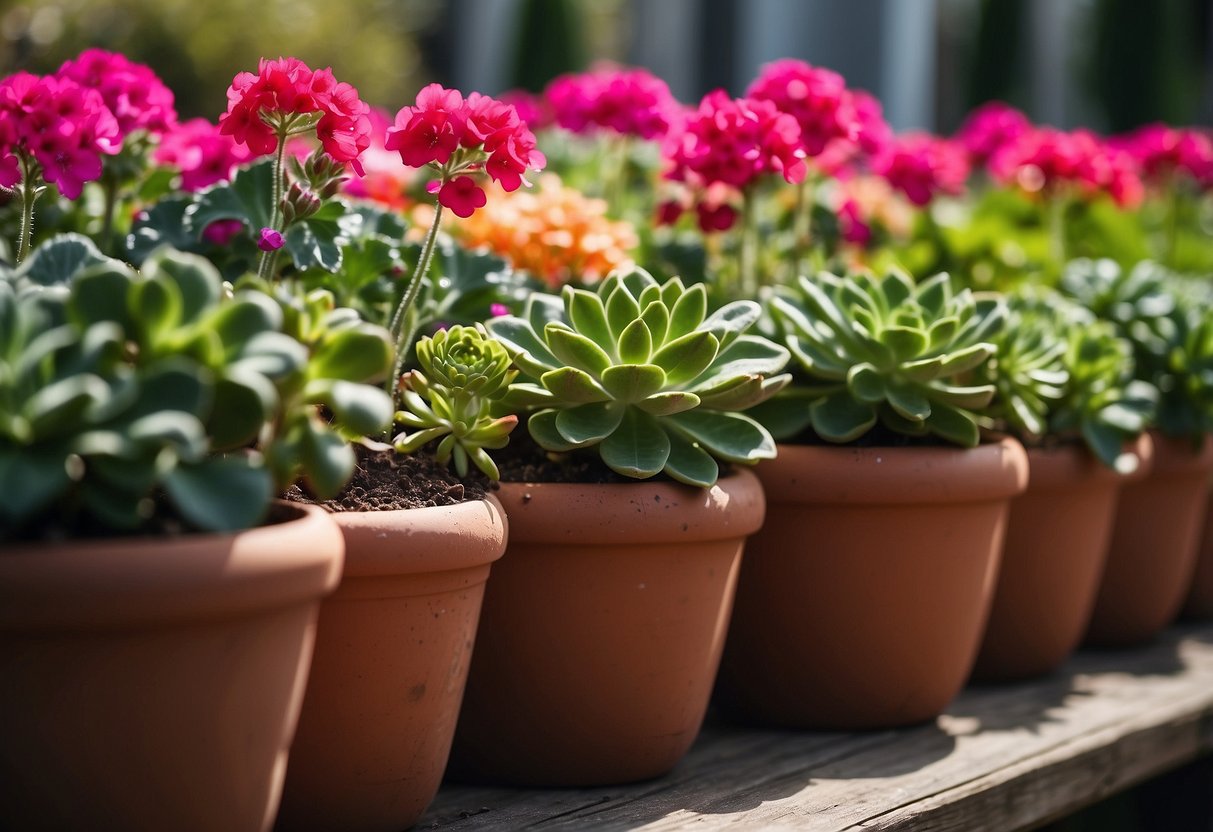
(602, 630)
(862, 600)
(1057, 542)
(1153, 551)
(1199, 603)
(153, 684)
(392, 653)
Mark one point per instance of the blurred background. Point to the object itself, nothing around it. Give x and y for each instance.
(1107, 64)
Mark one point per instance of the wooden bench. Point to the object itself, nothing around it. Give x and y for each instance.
(1002, 758)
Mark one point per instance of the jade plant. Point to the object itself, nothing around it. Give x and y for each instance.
(883, 351)
(1061, 374)
(640, 371)
(464, 372)
(147, 400)
(1165, 322)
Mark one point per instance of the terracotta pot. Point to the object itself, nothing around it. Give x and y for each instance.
(392, 655)
(602, 630)
(1199, 603)
(152, 684)
(1057, 542)
(862, 600)
(1154, 545)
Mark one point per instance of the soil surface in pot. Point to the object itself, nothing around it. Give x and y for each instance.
(388, 481)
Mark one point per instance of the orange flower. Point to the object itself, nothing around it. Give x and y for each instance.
(555, 233)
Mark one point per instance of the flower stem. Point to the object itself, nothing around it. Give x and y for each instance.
(265, 266)
(29, 193)
(1057, 228)
(748, 264)
(802, 226)
(109, 186)
(403, 328)
(1172, 222)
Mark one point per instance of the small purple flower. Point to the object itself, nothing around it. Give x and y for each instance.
(498, 309)
(269, 240)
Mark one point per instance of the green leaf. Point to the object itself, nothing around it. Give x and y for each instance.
(59, 260)
(528, 350)
(966, 398)
(866, 384)
(196, 278)
(635, 343)
(30, 480)
(785, 416)
(691, 464)
(905, 343)
(748, 355)
(239, 412)
(272, 354)
(327, 459)
(163, 224)
(182, 431)
(314, 243)
(665, 404)
(223, 493)
(688, 311)
(588, 317)
(954, 425)
(58, 406)
(731, 436)
(99, 294)
(155, 307)
(542, 427)
(637, 448)
(631, 383)
(569, 384)
(657, 318)
(576, 350)
(361, 354)
(238, 321)
(245, 198)
(686, 357)
(621, 310)
(587, 424)
(731, 320)
(908, 402)
(361, 408)
(1105, 441)
(840, 418)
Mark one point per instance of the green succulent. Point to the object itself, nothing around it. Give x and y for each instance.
(882, 350)
(120, 388)
(1165, 322)
(640, 371)
(1028, 371)
(463, 374)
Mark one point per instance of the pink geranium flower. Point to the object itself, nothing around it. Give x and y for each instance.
(989, 128)
(630, 102)
(1049, 160)
(921, 166)
(134, 94)
(462, 195)
(202, 153)
(1162, 152)
(816, 97)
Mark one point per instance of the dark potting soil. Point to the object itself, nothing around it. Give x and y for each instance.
(386, 481)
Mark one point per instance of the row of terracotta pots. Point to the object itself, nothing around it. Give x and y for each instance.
(602, 631)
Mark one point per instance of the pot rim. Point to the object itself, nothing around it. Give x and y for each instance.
(142, 582)
(419, 540)
(1059, 466)
(1177, 454)
(642, 512)
(849, 475)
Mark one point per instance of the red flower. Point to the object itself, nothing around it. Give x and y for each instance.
(201, 152)
(264, 109)
(269, 240)
(989, 128)
(720, 217)
(134, 94)
(462, 195)
(631, 102)
(816, 97)
(921, 165)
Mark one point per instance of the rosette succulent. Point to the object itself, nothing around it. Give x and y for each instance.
(131, 398)
(881, 350)
(463, 374)
(642, 372)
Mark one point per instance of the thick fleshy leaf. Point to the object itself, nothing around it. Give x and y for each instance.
(525, 396)
(638, 447)
(729, 321)
(361, 408)
(240, 410)
(569, 384)
(840, 418)
(866, 384)
(99, 294)
(690, 463)
(664, 404)
(635, 343)
(196, 278)
(657, 318)
(621, 310)
(967, 359)
(57, 407)
(30, 480)
(748, 355)
(245, 198)
(787, 415)
(221, 493)
(181, 431)
(745, 392)
(588, 317)
(685, 358)
(315, 244)
(731, 436)
(954, 425)
(328, 462)
(816, 359)
(240, 320)
(965, 398)
(633, 382)
(576, 350)
(155, 308)
(934, 293)
(688, 311)
(362, 354)
(905, 343)
(908, 402)
(542, 427)
(587, 424)
(528, 350)
(57, 261)
(272, 354)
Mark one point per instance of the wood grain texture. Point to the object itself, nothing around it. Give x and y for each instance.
(1002, 758)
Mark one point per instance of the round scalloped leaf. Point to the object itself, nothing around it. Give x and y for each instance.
(690, 463)
(586, 424)
(221, 493)
(637, 447)
(840, 418)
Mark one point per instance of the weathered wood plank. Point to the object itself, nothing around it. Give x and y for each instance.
(1003, 758)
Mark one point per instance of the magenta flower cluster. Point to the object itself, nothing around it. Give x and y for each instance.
(817, 98)
(630, 102)
(138, 99)
(1048, 160)
(265, 108)
(988, 128)
(202, 153)
(921, 166)
(59, 125)
(1163, 152)
(461, 137)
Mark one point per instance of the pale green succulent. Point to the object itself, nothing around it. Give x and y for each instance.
(463, 374)
(639, 370)
(882, 350)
